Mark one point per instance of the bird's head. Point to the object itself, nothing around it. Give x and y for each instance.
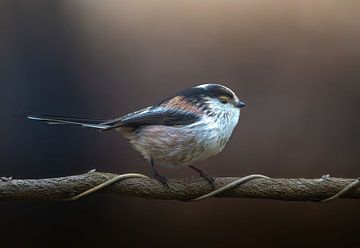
(206, 100)
(212, 99)
(218, 95)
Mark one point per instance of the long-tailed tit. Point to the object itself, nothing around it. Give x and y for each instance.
(182, 130)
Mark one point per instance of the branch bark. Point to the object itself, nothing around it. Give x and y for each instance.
(297, 189)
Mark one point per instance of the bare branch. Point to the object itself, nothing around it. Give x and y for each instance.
(298, 189)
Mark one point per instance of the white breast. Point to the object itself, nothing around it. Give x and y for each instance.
(186, 145)
(214, 132)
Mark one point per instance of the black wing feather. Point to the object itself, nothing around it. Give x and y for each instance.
(150, 117)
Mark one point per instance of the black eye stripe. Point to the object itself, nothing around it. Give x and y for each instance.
(216, 90)
(212, 91)
(200, 94)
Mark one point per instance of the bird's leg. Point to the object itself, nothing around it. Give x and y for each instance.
(209, 178)
(161, 179)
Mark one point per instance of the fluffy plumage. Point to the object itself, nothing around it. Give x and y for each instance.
(189, 127)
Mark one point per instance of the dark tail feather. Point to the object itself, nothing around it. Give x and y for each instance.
(62, 120)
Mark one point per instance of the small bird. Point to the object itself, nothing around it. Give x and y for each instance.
(180, 131)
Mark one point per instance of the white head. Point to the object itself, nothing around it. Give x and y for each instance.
(213, 101)
(219, 100)
(222, 111)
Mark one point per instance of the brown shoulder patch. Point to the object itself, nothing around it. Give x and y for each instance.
(179, 102)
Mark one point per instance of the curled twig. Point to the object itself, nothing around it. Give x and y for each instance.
(297, 189)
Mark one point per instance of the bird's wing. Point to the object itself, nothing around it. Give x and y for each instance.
(154, 116)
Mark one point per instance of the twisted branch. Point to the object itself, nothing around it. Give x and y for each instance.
(297, 189)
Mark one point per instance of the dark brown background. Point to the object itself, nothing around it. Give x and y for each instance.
(295, 63)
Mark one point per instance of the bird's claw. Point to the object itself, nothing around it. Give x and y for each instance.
(162, 180)
(208, 178)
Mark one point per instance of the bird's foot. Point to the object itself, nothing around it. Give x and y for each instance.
(208, 178)
(161, 179)
(202, 174)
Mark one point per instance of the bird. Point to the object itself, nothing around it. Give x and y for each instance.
(180, 131)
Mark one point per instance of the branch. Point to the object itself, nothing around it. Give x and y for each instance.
(297, 189)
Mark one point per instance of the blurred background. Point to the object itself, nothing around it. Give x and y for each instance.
(295, 64)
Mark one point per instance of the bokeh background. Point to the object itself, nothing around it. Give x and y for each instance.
(295, 63)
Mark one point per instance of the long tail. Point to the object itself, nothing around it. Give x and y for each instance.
(62, 120)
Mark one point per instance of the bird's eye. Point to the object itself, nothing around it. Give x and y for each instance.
(224, 99)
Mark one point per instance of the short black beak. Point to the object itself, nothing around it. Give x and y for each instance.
(240, 104)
